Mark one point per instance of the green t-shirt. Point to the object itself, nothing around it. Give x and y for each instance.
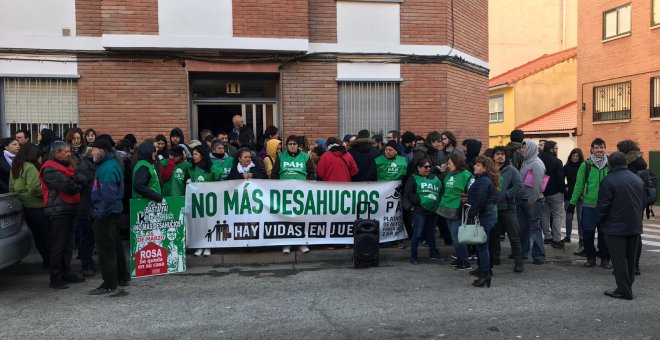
(390, 169)
(455, 184)
(154, 182)
(176, 186)
(428, 191)
(293, 167)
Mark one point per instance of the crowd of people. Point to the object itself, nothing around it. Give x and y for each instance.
(76, 190)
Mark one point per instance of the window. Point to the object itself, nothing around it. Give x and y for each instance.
(655, 19)
(655, 97)
(616, 22)
(36, 103)
(612, 102)
(496, 109)
(368, 105)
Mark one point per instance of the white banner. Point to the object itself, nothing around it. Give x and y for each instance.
(253, 213)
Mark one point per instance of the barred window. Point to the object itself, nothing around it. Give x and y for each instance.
(373, 106)
(36, 103)
(655, 97)
(496, 109)
(612, 102)
(616, 22)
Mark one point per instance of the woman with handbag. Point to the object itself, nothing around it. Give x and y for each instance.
(421, 197)
(482, 198)
(456, 183)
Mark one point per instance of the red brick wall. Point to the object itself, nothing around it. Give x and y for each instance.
(633, 58)
(309, 100)
(471, 27)
(141, 98)
(88, 18)
(130, 16)
(270, 19)
(441, 97)
(323, 21)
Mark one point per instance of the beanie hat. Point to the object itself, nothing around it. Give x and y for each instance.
(517, 136)
(102, 143)
(392, 144)
(407, 137)
(363, 134)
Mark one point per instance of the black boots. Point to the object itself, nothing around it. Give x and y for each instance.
(483, 279)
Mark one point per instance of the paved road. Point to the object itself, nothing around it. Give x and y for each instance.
(302, 298)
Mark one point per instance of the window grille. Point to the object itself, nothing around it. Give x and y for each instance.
(612, 102)
(36, 103)
(373, 106)
(655, 97)
(496, 109)
(616, 22)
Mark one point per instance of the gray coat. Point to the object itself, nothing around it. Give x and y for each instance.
(512, 187)
(532, 162)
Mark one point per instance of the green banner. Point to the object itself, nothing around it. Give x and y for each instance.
(158, 236)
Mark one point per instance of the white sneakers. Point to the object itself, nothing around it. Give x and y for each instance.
(207, 252)
(286, 249)
(304, 249)
(198, 252)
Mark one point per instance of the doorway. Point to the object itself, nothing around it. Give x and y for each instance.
(217, 115)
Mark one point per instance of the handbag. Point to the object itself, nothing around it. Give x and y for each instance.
(448, 213)
(471, 233)
(529, 180)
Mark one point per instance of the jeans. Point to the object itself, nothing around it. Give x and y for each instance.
(460, 250)
(111, 251)
(506, 221)
(423, 224)
(62, 237)
(569, 219)
(529, 219)
(590, 226)
(624, 251)
(39, 225)
(86, 247)
(482, 249)
(553, 207)
(443, 226)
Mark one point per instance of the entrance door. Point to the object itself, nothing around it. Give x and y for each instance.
(217, 116)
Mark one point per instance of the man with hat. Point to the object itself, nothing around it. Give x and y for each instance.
(389, 166)
(106, 196)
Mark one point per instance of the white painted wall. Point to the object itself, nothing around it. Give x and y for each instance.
(37, 17)
(368, 71)
(195, 18)
(17, 65)
(368, 23)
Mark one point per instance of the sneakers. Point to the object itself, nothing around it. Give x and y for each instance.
(72, 278)
(463, 266)
(286, 250)
(304, 249)
(566, 239)
(605, 263)
(455, 263)
(207, 252)
(198, 252)
(100, 291)
(557, 244)
(538, 262)
(591, 262)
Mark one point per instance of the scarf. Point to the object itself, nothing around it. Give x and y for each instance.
(9, 157)
(219, 156)
(244, 170)
(599, 162)
(75, 148)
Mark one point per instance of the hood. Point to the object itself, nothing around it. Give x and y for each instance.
(532, 150)
(178, 132)
(272, 146)
(473, 148)
(362, 143)
(144, 151)
(637, 164)
(421, 148)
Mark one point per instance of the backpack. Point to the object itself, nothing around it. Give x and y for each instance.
(650, 188)
(517, 159)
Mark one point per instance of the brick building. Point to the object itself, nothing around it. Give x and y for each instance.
(619, 73)
(313, 67)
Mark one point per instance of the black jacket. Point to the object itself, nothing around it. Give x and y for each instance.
(258, 171)
(570, 173)
(5, 170)
(57, 182)
(555, 169)
(87, 167)
(482, 197)
(363, 152)
(621, 203)
(410, 200)
(142, 176)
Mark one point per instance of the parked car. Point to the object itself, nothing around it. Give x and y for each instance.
(15, 237)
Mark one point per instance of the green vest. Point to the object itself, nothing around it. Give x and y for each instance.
(176, 186)
(197, 174)
(154, 183)
(223, 166)
(293, 167)
(428, 191)
(390, 169)
(455, 184)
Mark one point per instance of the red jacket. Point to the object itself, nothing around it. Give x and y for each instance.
(336, 166)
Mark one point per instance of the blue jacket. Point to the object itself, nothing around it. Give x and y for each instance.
(482, 197)
(107, 188)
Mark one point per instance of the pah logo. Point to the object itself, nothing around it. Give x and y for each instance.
(297, 165)
(394, 200)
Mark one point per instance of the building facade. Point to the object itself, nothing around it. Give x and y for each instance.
(312, 67)
(619, 73)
